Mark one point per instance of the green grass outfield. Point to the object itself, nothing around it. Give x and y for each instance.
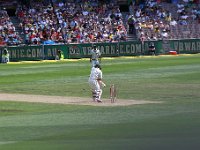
(171, 125)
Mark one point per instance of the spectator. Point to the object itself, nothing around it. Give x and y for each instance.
(2, 42)
(152, 37)
(48, 41)
(173, 22)
(164, 34)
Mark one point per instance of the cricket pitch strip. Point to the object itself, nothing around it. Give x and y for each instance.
(69, 100)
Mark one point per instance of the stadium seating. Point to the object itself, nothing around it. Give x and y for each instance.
(187, 20)
(8, 34)
(80, 21)
(72, 22)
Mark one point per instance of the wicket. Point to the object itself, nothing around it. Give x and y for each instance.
(113, 93)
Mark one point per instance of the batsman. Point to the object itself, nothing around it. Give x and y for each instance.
(96, 83)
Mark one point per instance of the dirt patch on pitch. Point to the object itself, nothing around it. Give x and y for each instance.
(69, 100)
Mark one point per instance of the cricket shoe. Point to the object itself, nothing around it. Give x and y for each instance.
(99, 101)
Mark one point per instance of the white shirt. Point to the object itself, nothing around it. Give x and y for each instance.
(95, 74)
(85, 13)
(184, 17)
(95, 53)
(173, 23)
(138, 13)
(165, 34)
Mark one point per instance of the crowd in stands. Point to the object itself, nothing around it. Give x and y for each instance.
(88, 21)
(74, 21)
(8, 35)
(151, 21)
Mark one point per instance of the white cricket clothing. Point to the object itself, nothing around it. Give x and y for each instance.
(94, 84)
(95, 74)
(95, 53)
(95, 56)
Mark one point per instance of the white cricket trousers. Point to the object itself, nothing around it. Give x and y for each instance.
(96, 90)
